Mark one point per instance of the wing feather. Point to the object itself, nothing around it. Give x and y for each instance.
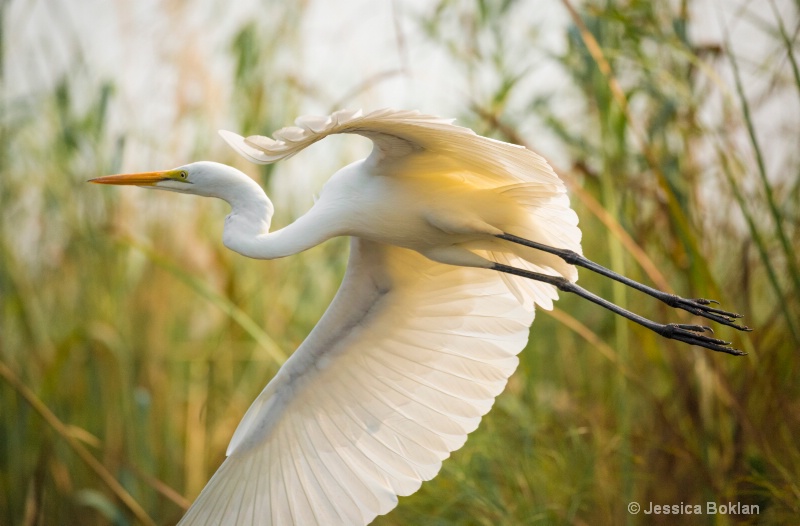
(439, 146)
(407, 359)
(328, 510)
(411, 353)
(398, 132)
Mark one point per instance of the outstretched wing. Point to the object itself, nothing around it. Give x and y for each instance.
(517, 172)
(399, 132)
(407, 358)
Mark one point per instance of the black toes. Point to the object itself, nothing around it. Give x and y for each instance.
(699, 307)
(693, 335)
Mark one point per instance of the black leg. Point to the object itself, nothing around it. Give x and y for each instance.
(698, 307)
(691, 334)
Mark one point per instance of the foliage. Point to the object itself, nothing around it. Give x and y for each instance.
(149, 342)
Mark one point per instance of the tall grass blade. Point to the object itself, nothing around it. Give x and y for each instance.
(777, 215)
(785, 308)
(788, 44)
(63, 431)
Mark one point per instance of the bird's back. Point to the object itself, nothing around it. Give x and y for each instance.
(427, 199)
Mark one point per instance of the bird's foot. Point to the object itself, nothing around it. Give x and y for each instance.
(693, 334)
(702, 307)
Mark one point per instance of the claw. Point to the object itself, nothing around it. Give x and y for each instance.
(692, 334)
(699, 307)
(703, 301)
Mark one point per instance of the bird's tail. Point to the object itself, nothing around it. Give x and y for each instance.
(545, 217)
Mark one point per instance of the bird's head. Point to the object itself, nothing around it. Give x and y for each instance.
(203, 178)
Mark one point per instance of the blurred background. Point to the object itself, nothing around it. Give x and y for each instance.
(131, 341)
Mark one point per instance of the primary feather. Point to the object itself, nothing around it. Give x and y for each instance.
(411, 352)
(402, 366)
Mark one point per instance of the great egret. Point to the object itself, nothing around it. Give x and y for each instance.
(454, 238)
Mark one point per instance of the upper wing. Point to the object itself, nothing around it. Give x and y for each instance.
(407, 358)
(399, 132)
(513, 170)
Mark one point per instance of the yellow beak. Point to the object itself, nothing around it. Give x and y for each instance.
(138, 179)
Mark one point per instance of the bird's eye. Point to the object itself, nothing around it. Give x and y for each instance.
(183, 174)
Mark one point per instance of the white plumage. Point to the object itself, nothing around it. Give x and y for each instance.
(424, 331)
(411, 352)
(408, 357)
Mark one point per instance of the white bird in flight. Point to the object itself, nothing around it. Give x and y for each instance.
(454, 239)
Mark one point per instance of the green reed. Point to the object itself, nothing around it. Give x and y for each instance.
(148, 340)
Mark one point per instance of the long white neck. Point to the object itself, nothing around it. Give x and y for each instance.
(247, 228)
